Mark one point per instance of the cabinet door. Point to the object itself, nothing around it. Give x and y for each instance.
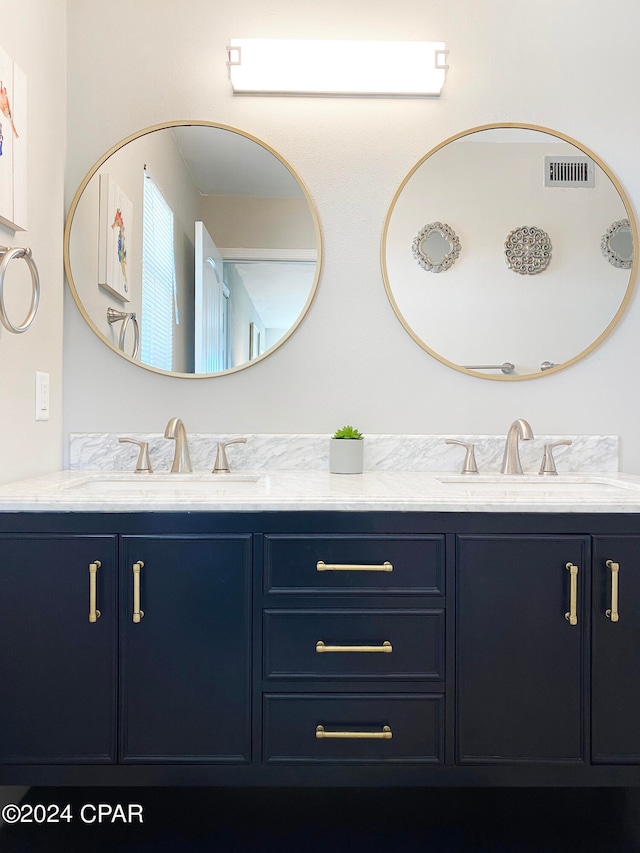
(519, 660)
(57, 668)
(185, 660)
(615, 708)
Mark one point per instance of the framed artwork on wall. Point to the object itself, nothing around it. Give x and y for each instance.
(13, 144)
(114, 240)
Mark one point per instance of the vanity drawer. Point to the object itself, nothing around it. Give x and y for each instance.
(354, 729)
(321, 564)
(336, 644)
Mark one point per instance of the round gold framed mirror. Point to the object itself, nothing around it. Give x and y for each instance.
(192, 249)
(478, 317)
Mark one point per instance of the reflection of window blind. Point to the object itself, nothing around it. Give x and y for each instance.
(158, 278)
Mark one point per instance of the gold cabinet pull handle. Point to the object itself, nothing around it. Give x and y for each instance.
(385, 734)
(386, 648)
(321, 566)
(94, 613)
(572, 614)
(615, 571)
(137, 613)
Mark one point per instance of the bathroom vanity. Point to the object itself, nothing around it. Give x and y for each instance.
(385, 632)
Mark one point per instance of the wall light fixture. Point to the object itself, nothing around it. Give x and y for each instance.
(409, 69)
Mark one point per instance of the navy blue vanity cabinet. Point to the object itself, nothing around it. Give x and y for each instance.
(521, 638)
(320, 648)
(354, 650)
(615, 676)
(57, 649)
(185, 649)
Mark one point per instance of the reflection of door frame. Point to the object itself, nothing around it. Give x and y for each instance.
(226, 342)
(282, 255)
(210, 345)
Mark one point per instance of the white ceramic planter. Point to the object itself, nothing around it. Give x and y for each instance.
(346, 455)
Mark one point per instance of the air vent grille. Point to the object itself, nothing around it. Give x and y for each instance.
(569, 172)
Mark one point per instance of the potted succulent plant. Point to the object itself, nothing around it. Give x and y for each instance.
(346, 451)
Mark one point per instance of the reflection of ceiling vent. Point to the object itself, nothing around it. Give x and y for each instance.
(569, 172)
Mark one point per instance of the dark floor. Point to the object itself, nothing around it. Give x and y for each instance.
(433, 820)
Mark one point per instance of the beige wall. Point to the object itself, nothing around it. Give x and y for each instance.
(567, 66)
(33, 32)
(264, 223)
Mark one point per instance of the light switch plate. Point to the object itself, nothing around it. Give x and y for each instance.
(42, 396)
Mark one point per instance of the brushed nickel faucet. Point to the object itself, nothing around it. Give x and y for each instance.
(520, 430)
(469, 465)
(181, 462)
(548, 464)
(221, 464)
(143, 465)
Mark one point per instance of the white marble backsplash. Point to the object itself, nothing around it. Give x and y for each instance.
(103, 452)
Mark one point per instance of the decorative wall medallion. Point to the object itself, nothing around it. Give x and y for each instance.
(436, 247)
(617, 245)
(527, 250)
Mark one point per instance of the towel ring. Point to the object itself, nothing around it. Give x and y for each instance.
(114, 316)
(8, 255)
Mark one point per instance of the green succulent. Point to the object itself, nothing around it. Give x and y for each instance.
(348, 432)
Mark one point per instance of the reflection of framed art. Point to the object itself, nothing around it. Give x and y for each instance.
(114, 240)
(254, 341)
(13, 144)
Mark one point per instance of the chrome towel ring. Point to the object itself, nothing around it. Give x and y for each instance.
(114, 316)
(7, 256)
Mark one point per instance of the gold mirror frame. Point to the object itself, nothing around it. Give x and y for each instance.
(94, 170)
(547, 370)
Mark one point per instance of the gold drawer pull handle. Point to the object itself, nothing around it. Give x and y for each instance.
(385, 734)
(321, 566)
(137, 613)
(572, 614)
(94, 613)
(615, 570)
(386, 647)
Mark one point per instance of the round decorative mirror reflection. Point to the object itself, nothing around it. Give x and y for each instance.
(436, 247)
(617, 244)
(192, 249)
(485, 183)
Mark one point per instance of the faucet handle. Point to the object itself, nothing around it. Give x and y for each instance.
(469, 466)
(221, 464)
(548, 465)
(143, 465)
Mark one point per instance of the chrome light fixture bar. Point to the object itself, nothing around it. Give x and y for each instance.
(409, 69)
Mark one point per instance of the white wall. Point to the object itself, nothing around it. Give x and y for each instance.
(33, 33)
(567, 66)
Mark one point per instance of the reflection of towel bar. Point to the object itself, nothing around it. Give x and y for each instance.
(8, 255)
(507, 367)
(114, 316)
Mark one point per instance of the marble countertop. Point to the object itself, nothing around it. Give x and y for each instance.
(260, 490)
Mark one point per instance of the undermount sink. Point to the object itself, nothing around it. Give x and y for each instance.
(533, 484)
(170, 484)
